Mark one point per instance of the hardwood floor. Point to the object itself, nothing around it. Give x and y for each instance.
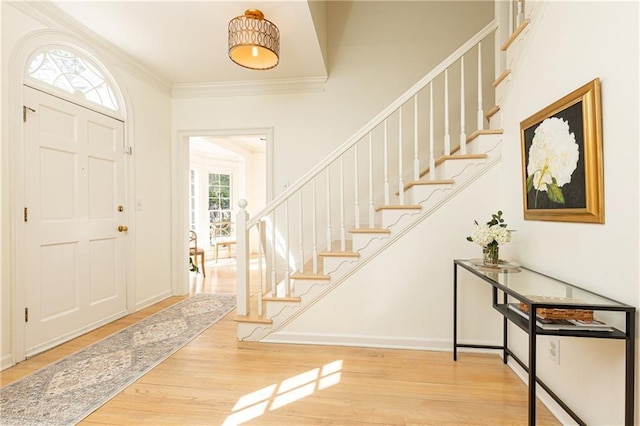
(217, 380)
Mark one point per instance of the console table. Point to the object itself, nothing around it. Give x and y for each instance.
(536, 290)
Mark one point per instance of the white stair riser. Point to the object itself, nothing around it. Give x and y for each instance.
(483, 144)
(452, 168)
(331, 264)
(252, 332)
(419, 193)
(304, 287)
(272, 308)
(387, 218)
(361, 241)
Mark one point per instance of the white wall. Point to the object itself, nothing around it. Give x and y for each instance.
(147, 130)
(575, 43)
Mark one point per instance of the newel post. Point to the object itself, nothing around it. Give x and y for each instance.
(242, 259)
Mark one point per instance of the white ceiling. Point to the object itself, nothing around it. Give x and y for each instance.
(186, 41)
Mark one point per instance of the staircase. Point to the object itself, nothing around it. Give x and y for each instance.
(399, 169)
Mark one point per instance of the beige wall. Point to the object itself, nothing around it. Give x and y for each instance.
(376, 51)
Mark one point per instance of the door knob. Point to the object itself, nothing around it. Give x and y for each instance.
(123, 228)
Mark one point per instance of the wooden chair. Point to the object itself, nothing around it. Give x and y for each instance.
(196, 251)
(222, 236)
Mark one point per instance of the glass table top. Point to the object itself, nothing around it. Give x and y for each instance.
(534, 287)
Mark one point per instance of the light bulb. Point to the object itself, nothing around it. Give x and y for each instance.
(254, 51)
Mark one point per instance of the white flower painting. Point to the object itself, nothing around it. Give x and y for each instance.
(553, 157)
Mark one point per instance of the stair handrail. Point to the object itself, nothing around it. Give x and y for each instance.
(384, 114)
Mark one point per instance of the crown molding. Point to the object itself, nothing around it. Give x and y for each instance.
(249, 88)
(52, 17)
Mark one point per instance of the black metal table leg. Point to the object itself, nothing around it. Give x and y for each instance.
(455, 312)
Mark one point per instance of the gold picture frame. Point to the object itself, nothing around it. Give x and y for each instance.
(562, 166)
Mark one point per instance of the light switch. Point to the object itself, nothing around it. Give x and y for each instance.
(138, 204)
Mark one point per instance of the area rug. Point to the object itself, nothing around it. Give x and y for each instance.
(67, 391)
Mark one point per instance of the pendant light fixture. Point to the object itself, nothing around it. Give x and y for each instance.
(254, 42)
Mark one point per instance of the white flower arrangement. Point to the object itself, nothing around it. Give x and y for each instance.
(553, 157)
(494, 232)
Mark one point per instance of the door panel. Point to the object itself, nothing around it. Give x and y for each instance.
(74, 183)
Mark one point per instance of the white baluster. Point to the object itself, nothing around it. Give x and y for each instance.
(314, 219)
(432, 148)
(480, 112)
(520, 13)
(371, 209)
(260, 226)
(400, 170)
(386, 166)
(463, 135)
(274, 255)
(447, 137)
(301, 230)
(356, 185)
(287, 250)
(511, 18)
(416, 158)
(329, 209)
(343, 232)
(242, 260)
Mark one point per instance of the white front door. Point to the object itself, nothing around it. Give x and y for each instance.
(75, 256)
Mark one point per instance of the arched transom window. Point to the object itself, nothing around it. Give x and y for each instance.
(74, 74)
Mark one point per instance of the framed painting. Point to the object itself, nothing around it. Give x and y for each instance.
(562, 170)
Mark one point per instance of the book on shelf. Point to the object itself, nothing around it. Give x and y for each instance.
(558, 313)
(561, 323)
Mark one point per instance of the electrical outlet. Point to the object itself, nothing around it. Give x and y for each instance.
(554, 349)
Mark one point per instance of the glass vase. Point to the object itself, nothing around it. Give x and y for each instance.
(490, 255)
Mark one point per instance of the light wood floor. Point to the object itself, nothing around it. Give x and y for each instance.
(217, 380)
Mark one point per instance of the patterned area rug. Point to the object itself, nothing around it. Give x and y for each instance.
(67, 391)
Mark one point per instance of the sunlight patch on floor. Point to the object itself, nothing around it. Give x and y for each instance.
(255, 404)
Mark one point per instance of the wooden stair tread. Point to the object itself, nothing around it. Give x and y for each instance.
(309, 276)
(281, 299)
(493, 111)
(484, 132)
(339, 254)
(429, 182)
(515, 34)
(252, 319)
(398, 207)
(370, 231)
(501, 77)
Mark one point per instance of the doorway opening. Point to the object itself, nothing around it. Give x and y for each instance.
(223, 169)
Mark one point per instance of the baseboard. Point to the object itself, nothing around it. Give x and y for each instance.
(6, 362)
(386, 342)
(152, 300)
(542, 395)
